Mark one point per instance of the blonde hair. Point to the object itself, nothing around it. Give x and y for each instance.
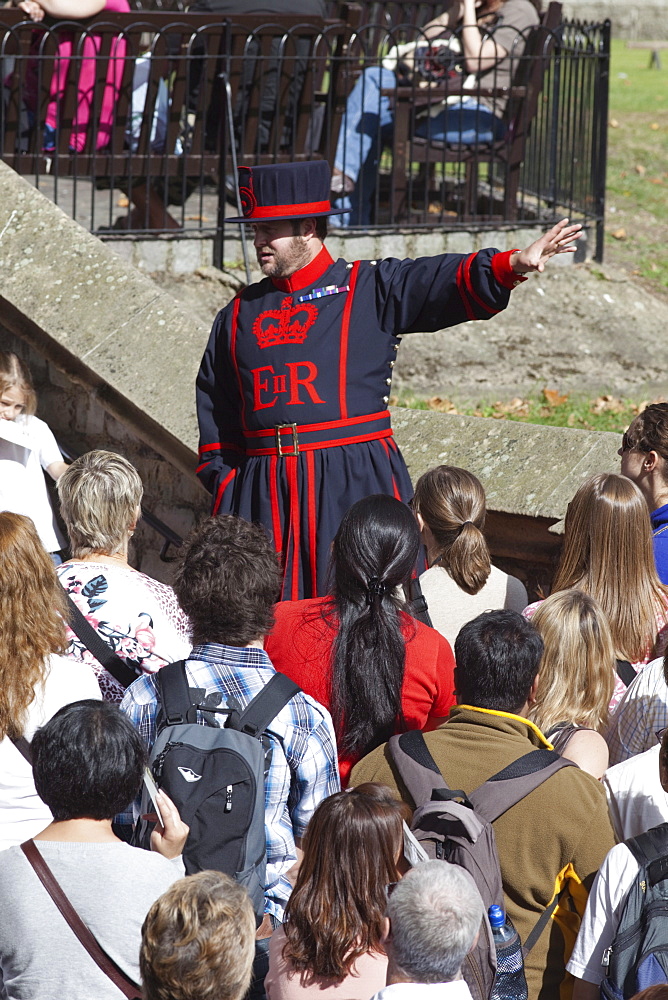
(451, 502)
(33, 611)
(576, 677)
(198, 941)
(608, 554)
(15, 373)
(99, 495)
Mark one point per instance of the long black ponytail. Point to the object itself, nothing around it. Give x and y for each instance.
(374, 552)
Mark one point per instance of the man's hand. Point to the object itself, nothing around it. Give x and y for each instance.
(170, 839)
(560, 239)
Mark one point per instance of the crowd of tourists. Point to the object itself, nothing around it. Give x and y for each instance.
(238, 866)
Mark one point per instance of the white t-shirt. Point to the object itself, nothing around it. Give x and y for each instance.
(456, 990)
(27, 446)
(22, 812)
(450, 607)
(604, 909)
(636, 800)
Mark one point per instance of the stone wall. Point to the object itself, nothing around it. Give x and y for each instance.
(637, 21)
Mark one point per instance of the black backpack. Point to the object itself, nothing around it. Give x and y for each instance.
(458, 828)
(215, 775)
(638, 956)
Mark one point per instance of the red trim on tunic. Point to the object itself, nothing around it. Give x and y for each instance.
(316, 445)
(293, 493)
(325, 426)
(503, 272)
(462, 290)
(343, 348)
(306, 275)
(219, 446)
(233, 356)
(221, 489)
(310, 486)
(472, 292)
(200, 467)
(397, 494)
(275, 509)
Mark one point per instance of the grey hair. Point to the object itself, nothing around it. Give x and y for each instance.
(99, 495)
(435, 913)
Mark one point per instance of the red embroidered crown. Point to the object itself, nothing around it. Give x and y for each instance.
(287, 325)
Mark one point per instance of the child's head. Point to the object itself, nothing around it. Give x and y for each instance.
(17, 394)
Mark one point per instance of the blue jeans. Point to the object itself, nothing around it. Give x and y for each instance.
(368, 125)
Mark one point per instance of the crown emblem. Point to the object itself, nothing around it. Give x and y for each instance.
(287, 325)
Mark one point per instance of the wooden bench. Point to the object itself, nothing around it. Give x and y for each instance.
(504, 155)
(196, 69)
(655, 48)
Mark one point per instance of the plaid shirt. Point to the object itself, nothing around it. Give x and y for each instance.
(303, 768)
(641, 715)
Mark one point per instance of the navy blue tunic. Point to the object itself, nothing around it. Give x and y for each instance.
(293, 389)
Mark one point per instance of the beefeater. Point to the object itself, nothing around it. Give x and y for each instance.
(294, 384)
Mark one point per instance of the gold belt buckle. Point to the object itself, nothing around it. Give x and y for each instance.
(294, 445)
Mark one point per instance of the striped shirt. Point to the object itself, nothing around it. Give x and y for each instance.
(303, 768)
(641, 716)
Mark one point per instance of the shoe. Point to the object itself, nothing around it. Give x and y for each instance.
(49, 140)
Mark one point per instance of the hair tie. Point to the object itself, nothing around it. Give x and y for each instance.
(375, 588)
(464, 523)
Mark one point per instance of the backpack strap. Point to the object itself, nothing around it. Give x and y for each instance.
(417, 768)
(176, 701)
(23, 747)
(650, 850)
(417, 602)
(510, 785)
(265, 706)
(96, 645)
(625, 671)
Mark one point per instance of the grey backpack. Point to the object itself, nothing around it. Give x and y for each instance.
(638, 956)
(458, 828)
(216, 775)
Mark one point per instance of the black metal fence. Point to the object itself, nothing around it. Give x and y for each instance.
(135, 122)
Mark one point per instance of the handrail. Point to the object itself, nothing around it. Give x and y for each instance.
(170, 536)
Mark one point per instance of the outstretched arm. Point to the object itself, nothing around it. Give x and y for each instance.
(560, 239)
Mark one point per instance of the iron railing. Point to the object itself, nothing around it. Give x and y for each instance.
(153, 109)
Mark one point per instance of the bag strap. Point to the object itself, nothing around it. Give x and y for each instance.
(23, 747)
(417, 602)
(176, 702)
(264, 707)
(87, 939)
(510, 785)
(625, 671)
(117, 667)
(542, 923)
(417, 768)
(650, 846)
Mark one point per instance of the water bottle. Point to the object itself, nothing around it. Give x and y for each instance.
(510, 982)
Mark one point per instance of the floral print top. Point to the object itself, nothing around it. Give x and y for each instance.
(138, 618)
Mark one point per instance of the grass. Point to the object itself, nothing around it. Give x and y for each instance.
(605, 413)
(637, 176)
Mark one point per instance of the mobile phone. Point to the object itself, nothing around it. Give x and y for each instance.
(152, 790)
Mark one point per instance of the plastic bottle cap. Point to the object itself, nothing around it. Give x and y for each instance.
(497, 917)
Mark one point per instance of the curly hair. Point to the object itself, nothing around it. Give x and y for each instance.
(228, 581)
(33, 611)
(198, 941)
(335, 912)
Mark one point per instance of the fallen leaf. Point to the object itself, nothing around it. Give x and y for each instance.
(123, 202)
(517, 406)
(553, 398)
(619, 234)
(607, 404)
(571, 420)
(197, 218)
(654, 267)
(656, 180)
(613, 123)
(639, 169)
(654, 126)
(441, 405)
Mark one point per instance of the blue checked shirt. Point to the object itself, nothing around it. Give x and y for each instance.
(303, 769)
(641, 716)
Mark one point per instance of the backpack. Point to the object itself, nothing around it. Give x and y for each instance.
(458, 828)
(638, 956)
(216, 775)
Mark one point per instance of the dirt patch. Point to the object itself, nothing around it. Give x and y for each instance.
(583, 328)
